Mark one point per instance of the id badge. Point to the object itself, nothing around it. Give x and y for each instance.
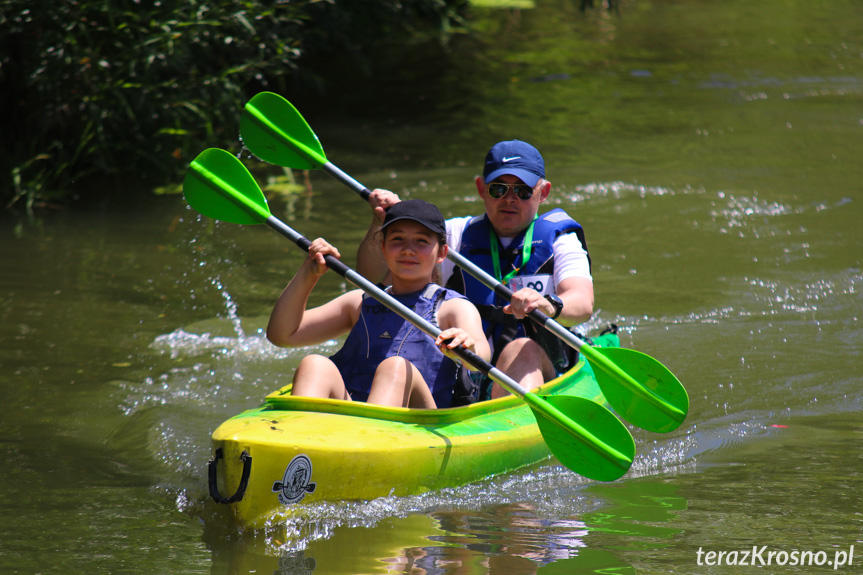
(541, 283)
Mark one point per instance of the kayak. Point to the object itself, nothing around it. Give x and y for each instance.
(293, 450)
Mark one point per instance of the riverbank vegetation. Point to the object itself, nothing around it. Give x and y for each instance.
(101, 89)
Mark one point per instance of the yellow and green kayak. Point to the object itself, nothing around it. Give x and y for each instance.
(297, 449)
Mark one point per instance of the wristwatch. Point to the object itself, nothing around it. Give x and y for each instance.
(557, 303)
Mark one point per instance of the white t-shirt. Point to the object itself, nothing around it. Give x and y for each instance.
(570, 259)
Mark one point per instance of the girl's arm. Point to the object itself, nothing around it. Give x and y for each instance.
(291, 325)
(459, 320)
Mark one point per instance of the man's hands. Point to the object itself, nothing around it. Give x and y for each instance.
(380, 201)
(525, 301)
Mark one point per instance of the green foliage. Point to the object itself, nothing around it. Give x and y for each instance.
(136, 88)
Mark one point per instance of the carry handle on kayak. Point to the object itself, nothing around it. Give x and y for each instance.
(244, 478)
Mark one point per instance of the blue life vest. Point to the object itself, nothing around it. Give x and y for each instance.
(536, 273)
(381, 333)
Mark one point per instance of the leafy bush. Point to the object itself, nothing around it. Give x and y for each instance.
(132, 88)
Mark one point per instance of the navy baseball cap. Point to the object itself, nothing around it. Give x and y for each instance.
(419, 211)
(516, 158)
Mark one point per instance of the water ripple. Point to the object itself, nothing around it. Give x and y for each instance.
(618, 190)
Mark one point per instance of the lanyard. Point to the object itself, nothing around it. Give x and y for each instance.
(525, 252)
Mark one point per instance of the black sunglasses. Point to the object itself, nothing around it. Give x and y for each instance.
(497, 190)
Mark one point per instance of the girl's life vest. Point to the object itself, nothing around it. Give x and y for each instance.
(381, 333)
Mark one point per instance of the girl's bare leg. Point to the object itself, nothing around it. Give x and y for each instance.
(318, 376)
(398, 383)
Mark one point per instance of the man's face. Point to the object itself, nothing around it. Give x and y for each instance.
(510, 214)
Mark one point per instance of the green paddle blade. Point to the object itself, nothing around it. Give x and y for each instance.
(276, 132)
(219, 186)
(583, 435)
(639, 388)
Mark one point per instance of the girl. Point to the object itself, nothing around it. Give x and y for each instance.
(385, 359)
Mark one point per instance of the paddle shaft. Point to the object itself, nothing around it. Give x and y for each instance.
(596, 359)
(393, 304)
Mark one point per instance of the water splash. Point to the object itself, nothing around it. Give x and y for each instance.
(230, 306)
(255, 347)
(553, 490)
(739, 211)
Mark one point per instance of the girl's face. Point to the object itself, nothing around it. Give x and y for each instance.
(412, 251)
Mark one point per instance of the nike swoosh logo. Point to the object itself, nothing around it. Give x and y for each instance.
(505, 160)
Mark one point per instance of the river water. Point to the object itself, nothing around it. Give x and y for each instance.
(712, 151)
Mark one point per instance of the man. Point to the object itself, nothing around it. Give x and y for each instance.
(543, 260)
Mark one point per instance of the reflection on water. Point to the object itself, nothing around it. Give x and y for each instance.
(517, 537)
(635, 510)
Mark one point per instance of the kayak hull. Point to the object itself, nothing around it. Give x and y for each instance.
(294, 449)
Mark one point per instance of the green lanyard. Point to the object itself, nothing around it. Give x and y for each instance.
(525, 252)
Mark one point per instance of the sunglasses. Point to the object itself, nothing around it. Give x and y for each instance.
(498, 190)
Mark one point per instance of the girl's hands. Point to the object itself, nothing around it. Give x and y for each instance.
(315, 263)
(458, 337)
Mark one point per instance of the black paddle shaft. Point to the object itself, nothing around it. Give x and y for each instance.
(499, 288)
(370, 288)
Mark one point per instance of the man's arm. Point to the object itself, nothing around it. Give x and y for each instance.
(574, 282)
(576, 293)
(370, 259)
